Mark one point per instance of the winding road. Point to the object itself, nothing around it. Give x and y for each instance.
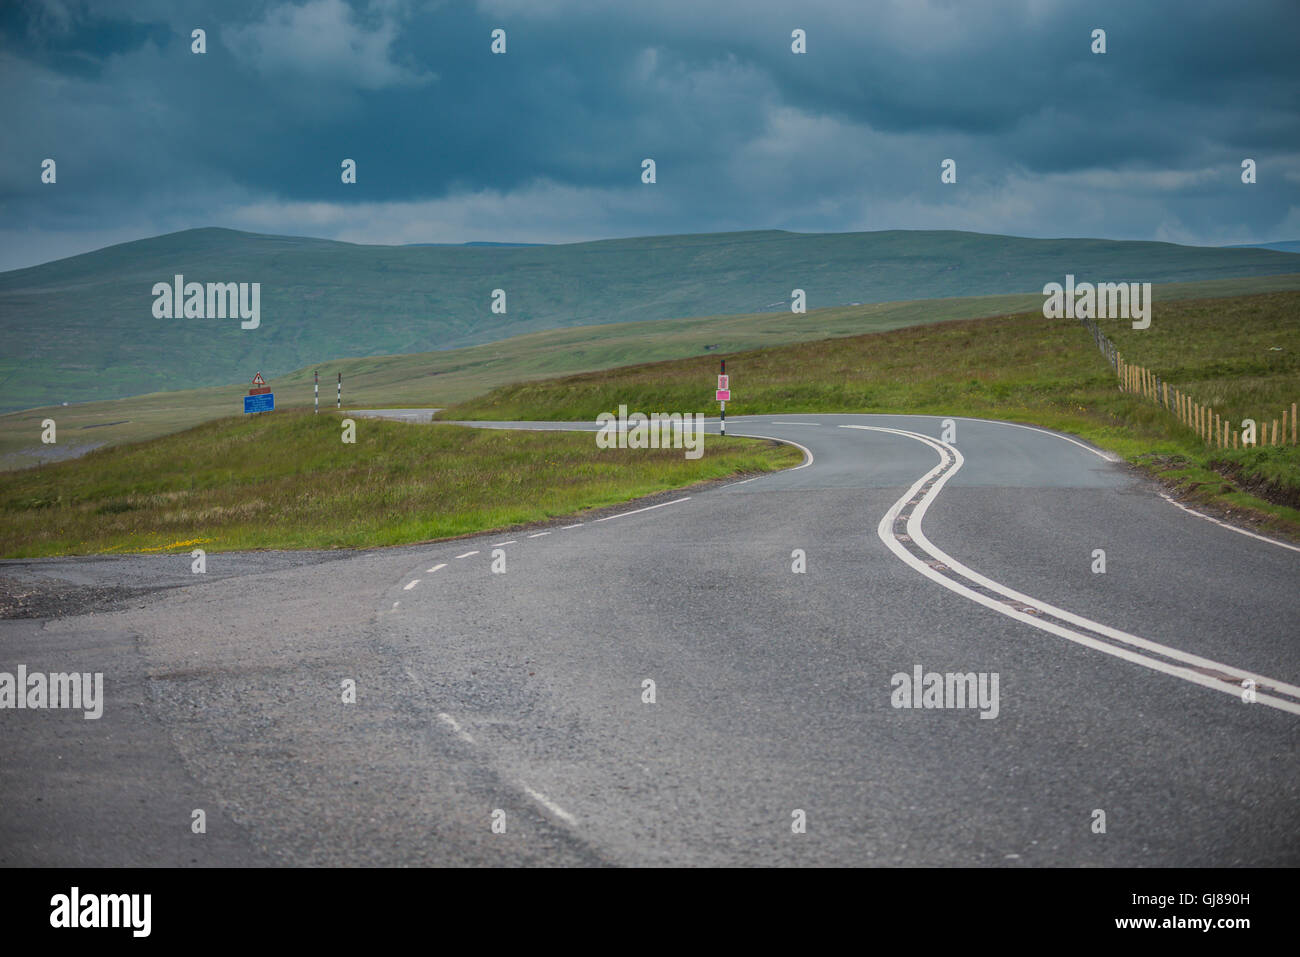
(1147, 714)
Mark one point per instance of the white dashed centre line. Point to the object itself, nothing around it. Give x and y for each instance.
(550, 805)
(409, 585)
(436, 567)
(567, 527)
(499, 544)
(646, 509)
(455, 726)
(539, 534)
(467, 554)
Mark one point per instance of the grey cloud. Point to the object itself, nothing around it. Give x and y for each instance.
(1050, 140)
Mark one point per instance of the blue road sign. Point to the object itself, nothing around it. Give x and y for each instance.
(260, 403)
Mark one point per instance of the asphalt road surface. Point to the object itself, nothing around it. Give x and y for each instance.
(1157, 697)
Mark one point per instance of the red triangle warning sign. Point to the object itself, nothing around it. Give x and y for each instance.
(258, 380)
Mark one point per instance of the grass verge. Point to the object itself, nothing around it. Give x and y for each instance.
(1242, 354)
(286, 480)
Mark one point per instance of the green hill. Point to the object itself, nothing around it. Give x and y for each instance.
(82, 328)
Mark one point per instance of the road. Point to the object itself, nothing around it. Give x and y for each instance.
(521, 691)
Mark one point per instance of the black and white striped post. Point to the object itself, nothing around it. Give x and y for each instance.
(724, 401)
(340, 390)
(317, 375)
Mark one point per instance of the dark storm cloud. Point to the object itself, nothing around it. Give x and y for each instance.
(545, 143)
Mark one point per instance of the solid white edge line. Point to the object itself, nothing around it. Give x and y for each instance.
(640, 510)
(1109, 457)
(1100, 453)
(884, 531)
(808, 456)
(1232, 528)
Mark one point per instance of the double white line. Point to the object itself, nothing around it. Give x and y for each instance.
(1039, 614)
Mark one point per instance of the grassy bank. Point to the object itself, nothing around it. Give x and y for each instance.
(1238, 353)
(286, 480)
(1241, 357)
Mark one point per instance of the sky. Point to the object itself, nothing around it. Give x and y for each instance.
(546, 142)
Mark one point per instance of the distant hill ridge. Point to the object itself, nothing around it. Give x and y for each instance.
(83, 328)
(1286, 246)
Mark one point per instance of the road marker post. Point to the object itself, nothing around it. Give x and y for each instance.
(723, 393)
(340, 390)
(317, 375)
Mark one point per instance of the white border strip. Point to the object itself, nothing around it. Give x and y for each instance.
(808, 456)
(1100, 453)
(1231, 528)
